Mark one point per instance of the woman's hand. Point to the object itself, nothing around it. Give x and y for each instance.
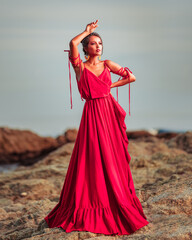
(91, 26)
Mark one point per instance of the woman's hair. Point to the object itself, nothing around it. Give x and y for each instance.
(85, 41)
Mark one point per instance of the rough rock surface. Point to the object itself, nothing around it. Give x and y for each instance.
(26, 147)
(143, 134)
(182, 141)
(162, 177)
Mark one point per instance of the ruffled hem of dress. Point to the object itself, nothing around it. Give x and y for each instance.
(98, 220)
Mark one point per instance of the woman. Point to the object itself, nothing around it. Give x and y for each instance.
(98, 194)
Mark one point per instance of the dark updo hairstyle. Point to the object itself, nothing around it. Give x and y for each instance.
(85, 41)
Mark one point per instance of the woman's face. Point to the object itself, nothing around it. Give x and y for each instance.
(95, 46)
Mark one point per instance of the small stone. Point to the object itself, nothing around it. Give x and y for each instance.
(23, 194)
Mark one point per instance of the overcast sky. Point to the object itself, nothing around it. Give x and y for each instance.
(152, 38)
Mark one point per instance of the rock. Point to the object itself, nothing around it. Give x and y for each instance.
(138, 134)
(167, 135)
(24, 146)
(71, 135)
(162, 179)
(182, 141)
(151, 134)
(23, 194)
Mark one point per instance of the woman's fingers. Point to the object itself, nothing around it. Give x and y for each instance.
(94, 22)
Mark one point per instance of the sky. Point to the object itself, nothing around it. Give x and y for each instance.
(152, 38)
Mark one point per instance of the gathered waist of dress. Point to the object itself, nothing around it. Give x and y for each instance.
(91, 99)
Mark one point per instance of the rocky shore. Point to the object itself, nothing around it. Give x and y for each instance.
(161, 167)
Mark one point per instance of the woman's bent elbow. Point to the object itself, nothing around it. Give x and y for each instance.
(72, 43)
(133, 78)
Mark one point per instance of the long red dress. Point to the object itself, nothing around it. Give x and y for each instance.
(98, 194)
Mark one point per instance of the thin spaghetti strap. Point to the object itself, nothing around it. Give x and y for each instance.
(107, 65)
(72, 60)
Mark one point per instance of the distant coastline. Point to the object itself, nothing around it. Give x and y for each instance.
(18, 144)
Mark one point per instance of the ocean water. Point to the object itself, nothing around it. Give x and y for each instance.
(6, 168)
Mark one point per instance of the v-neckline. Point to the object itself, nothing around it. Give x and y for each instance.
(93, 73)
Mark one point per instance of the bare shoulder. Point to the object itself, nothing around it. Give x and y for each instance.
(112, 65)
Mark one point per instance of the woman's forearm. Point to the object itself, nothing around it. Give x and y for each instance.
(122, 82)
(76, 40)
(89, 29)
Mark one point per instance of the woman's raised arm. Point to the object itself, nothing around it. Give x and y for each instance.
(74, 53)
(74, 56)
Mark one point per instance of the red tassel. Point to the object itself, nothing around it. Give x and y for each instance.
(71, 59)
(120, 72)
(69, 77)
